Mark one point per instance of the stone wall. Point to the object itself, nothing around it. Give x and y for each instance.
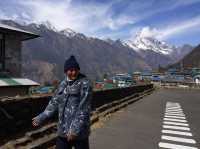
(16, 114)
(13, 54)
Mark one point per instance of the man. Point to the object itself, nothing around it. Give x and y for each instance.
(72, 99)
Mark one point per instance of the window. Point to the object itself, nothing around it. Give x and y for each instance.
(2, 52)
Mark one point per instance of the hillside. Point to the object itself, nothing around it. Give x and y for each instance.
(43, 58)
(190, 60)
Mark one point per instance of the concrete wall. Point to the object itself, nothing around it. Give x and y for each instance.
(16, 115)
(13, 54)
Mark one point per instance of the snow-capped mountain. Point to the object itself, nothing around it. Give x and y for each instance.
(95, 56)
(155, 52)
(141, 43)
(68, 32)
(48, 25)
(71, 33)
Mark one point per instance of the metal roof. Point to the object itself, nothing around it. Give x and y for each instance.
(17, 82)
(27, 34)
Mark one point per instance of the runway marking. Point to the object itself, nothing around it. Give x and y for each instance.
(173, 111)
(175, 146)
(176, 127)
(176, 132)
(178, 139)
(172, 108)
(175, 120)
(177, 110)
(178, 114)
(171, 116)
(174, 123)
(175, 114)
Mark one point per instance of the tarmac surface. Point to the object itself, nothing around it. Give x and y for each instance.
(168, 118)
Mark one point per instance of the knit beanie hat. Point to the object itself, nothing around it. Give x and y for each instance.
(71, 63)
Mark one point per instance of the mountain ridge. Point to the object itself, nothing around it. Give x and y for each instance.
(46, 55)
(190, 60)
(96, 56)
(155, 52)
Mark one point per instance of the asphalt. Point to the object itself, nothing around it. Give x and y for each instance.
(140, 125)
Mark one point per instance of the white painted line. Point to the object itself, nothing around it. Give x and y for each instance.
(174, 123)
(176, 114)
(177, 110)
(175, 120)
(178, 139)
(174, 146)
(169, 102)
(172, 108)
(179, 117)
(173, 105)
(176, 127)
(177, 132)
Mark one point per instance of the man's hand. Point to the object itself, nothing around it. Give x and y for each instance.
(71, 137)
(35, 122)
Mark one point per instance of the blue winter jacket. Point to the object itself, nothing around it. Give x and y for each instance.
(72, 99)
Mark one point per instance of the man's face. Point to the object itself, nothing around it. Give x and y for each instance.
(72, 73)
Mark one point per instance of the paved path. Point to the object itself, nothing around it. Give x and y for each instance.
(169, 118)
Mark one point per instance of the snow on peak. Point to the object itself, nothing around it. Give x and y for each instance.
(109, 40)
(68, 32)
(49, 26)
(118, 41)
(146, 40)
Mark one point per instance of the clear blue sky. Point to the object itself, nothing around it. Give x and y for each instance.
(174, 21)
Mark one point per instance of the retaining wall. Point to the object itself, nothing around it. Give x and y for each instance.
(16, 114)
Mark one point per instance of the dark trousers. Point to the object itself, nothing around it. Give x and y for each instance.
(62, 143)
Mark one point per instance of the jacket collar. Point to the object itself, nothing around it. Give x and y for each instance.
(70, 82)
